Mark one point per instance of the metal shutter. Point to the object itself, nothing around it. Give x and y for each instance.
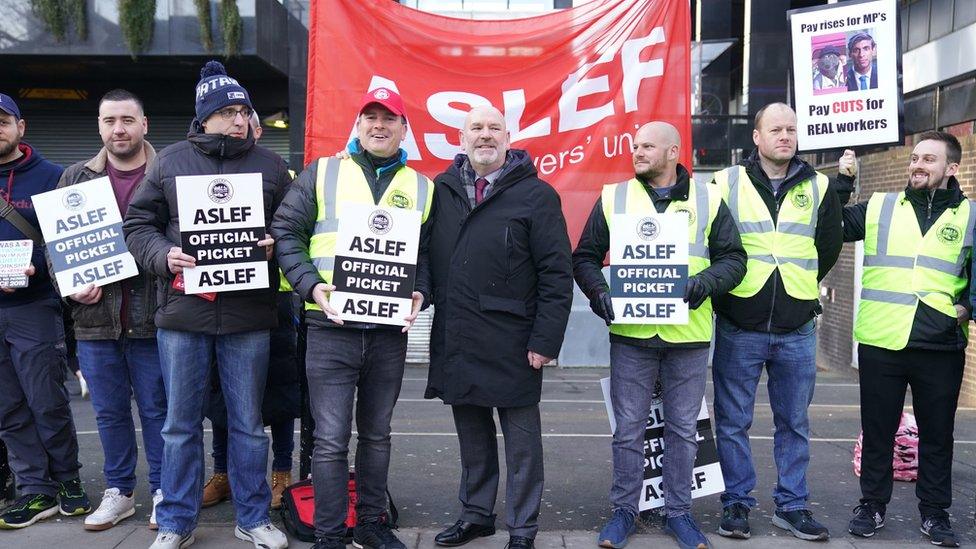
(73, 137)
(418, 338)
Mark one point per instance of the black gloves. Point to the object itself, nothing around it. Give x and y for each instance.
(696, 292)
(601, 305)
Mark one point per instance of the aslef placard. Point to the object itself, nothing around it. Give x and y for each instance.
(375, 263)
(221, 223)
(649, 268)
(706, 476)
(82, 228)
(846, 74)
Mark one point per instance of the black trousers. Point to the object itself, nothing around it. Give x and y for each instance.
(935, 378)
(522, 428)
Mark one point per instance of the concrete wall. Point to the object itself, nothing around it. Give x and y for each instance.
(882, 172)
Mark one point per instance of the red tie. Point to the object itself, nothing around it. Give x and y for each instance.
(479, 189)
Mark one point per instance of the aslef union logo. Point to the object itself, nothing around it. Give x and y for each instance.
(380, 222)
(74, 200)
(648, 228)
(220, 190)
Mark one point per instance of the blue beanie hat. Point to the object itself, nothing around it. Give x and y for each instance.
(216, 90)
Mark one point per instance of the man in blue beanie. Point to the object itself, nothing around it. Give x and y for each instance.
(232, 327)
(35, 417)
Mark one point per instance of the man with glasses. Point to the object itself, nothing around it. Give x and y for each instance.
(192, 330)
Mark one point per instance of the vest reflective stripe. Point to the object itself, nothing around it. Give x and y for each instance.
(631, 197)
(903, 267)
(339, 182)
(787, 245)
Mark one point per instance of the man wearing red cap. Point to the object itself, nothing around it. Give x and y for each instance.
(348, 360)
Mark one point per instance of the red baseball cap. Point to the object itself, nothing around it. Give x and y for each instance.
(386, 97)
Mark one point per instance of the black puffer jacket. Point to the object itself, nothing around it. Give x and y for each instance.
(501, 280)
(773, 310)
(931, 329)
(728, 259)
(152, 227)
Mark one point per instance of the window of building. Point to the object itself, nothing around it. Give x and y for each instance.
(918, 24)
(965, 14)
(940, 22)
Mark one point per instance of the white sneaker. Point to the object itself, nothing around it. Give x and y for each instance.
(169, 540)
(157, 498)
(114, 507)
(82, 384)
(263, 537)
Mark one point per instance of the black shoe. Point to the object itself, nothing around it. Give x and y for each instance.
(326, 543)
(462, 532)
(939, 531)
(27, 510)
(375, 534)
(868, 519)
(802, 524)
(74, 500)
(735, 522)
(519, 542)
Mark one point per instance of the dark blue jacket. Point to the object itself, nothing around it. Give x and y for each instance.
(19, 180)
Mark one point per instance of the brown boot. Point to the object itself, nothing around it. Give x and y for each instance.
(279, 481)
(216, 490)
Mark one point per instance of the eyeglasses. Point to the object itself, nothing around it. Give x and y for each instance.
(229, 113)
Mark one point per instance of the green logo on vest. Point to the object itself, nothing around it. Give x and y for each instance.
(691, 214)
(800, 199)
(400, 200)
(949, 234)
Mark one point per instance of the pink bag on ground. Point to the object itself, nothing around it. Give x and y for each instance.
(905, 462)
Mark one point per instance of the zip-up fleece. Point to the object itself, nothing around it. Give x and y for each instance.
(152, 227)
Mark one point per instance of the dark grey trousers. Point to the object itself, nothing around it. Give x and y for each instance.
(522, 429)
(35, 419)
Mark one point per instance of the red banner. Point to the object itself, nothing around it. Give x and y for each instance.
(574, 84)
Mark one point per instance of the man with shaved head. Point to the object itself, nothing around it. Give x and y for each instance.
(501, 281)
(791, 230)
(675, 354)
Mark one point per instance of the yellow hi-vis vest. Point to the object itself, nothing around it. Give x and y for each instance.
(341, 182)
(787, 245)
(902, 267)
(630, 197)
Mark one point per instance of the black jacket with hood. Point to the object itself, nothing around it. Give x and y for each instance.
(152, 227)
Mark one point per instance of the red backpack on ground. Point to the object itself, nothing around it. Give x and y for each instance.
(298, 509)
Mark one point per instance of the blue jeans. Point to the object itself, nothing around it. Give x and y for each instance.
(633, 373)
(115, 370)
(790, 362)
(282, 446)
(242, 360)
(343, 364)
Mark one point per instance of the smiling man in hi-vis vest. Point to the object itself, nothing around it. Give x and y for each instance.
(350, 360)
(677, 354)
(791, 230)
(912, 325)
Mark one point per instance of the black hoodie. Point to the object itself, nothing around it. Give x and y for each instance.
(773, 310)
(19, 180)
